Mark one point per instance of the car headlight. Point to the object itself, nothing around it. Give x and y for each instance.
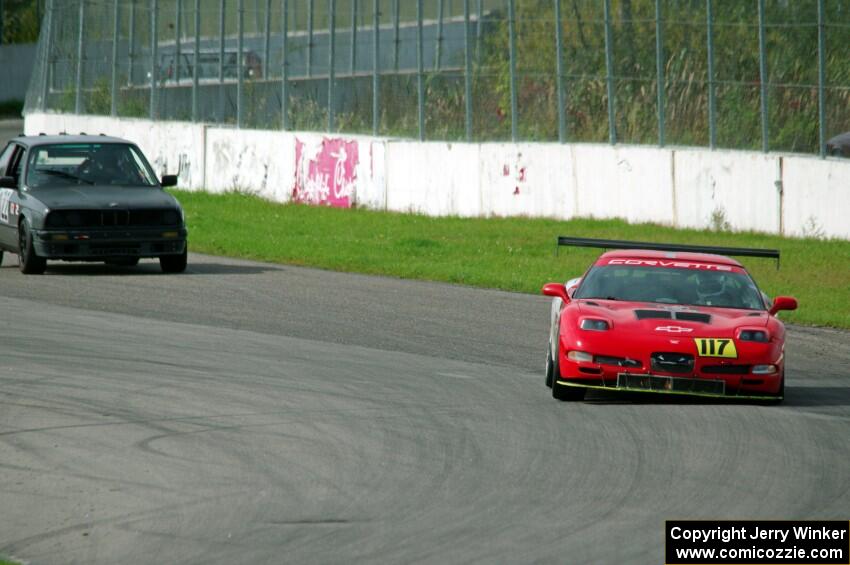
(580, 356)
(764, 369)
(170, 217)
(594, 325)
(55, 220)
(759, 336)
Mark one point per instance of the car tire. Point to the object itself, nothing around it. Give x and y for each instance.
(561, 392)
(174, 263)
(1, 257)
(550, 368)
(29, 262)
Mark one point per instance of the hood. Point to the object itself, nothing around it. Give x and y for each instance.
(100, 197)
(690, 321)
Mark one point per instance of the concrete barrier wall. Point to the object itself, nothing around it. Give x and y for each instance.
(730, 190)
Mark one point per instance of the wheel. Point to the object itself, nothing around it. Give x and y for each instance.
(29, 262)
(561, 392)
(550, 368)
(124, 262)
(174, 263)
(1, 257)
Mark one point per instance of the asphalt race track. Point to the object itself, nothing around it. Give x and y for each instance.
(253, 413)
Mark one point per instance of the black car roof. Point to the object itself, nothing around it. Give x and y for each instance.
(35, 140)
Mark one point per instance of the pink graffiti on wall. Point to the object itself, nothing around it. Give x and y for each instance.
(325, 172)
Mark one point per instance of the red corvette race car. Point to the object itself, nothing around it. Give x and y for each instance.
(666, 318)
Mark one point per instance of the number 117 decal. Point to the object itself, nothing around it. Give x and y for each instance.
(715, 347)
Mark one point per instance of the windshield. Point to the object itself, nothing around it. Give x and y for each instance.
(667, 285)
(87, 164)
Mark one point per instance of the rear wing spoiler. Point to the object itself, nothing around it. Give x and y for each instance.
(673, 247)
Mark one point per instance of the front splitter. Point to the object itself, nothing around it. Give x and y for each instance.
(762, 398)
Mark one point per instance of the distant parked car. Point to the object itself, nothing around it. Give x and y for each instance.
(86, 198)
(839, 146)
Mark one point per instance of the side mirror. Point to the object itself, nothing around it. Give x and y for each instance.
(556, 290)
(783, 303)
(169, 180)
(8, 182)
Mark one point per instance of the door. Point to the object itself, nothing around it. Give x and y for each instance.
(8, 203)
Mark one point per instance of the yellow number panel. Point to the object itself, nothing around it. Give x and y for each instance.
(716, 347)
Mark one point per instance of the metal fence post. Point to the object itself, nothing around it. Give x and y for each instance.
(559, 48)
(284, 71)
(609, 72)
(268, 39)
(821, 81)
(376, 68)
(712, 104)
(131, 53)
(154, 55)
(396, 40)
(353, 36)
(659, 70)
(439, 54)
(467, 75)
(48, 39)
(420, 74)
(240, 66)
(78, 100)
(113, 107)
(765, 140)
(196, 74)
(221, 31)
(178, 36)
(478, 29)
(310, 10)
(331, 54)
(513, 56)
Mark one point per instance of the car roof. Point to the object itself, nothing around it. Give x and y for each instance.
(669, 256)
(36, 140)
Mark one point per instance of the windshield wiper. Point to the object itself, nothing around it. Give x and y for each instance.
(600, 298)
(65, 175)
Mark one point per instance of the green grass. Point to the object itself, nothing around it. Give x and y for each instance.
(516, 254)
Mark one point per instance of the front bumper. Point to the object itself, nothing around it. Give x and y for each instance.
(676, 386)
(707, 376)
(101, 245)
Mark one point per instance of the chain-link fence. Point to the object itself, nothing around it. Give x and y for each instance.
(745, 74)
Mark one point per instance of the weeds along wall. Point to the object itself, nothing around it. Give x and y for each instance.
(793, 195)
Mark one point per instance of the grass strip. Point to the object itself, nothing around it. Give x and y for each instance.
(516, 254)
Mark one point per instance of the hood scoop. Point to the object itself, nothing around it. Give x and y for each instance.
(653, 315)
(673, 315)
(693, 317)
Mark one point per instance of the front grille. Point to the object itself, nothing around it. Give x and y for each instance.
(93, 219)
(726, 369)
(670, 384)
(618, 361)
(679, 363)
